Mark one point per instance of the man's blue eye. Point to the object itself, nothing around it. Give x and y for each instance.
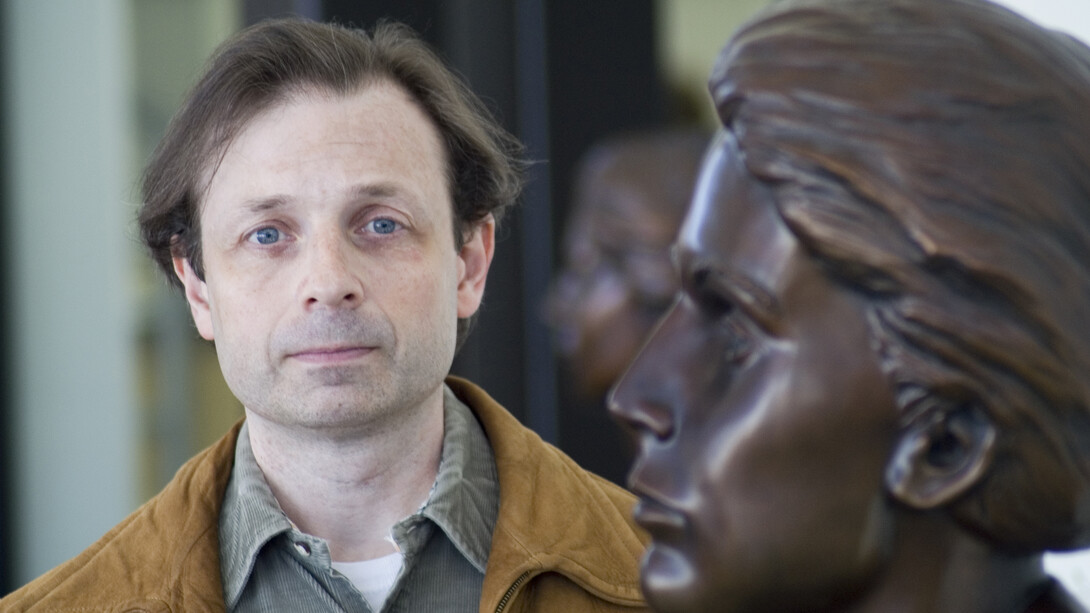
(267, 236)
(383, 226)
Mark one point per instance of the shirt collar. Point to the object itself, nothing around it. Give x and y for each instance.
(464, 501)
(250, 517)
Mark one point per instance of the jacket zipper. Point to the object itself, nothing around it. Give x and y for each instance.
(511, 591)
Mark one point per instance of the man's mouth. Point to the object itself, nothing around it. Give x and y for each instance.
(330, 355)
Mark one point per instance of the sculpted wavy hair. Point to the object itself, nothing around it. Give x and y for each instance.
(939, 163)
(269, 62)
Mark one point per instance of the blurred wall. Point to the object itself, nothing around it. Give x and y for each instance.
(182, 399)
(69, 312)
(87, 87)
(690, 35)
(1071, 16)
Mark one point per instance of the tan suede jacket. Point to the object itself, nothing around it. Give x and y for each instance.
(564, 540)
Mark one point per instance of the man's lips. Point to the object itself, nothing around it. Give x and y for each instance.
(330, 355)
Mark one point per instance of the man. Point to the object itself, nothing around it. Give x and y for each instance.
(327, 200)
(872, 394)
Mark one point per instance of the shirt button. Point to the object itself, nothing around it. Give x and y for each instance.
(302, 548)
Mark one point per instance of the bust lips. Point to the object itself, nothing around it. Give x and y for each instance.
(659, 519)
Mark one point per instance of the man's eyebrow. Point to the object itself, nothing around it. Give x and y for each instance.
(264, 203)
(377, 190)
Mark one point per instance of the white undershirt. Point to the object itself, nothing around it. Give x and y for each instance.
(373, 578)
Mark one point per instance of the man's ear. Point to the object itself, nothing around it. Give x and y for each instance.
(196, 294)
(940, 456)
(475, 258)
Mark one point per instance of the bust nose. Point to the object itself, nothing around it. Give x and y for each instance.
(638, 412)
(652, 396)
(637, 403)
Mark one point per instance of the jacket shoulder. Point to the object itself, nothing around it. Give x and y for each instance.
(162, 557)
(558, 523)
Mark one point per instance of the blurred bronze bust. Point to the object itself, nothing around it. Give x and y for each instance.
(630, 196)
(873, 393)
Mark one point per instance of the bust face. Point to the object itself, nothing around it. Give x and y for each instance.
(765, 423)
(617, 279)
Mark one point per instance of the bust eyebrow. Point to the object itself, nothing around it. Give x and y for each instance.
(743, 290)
(750, 295)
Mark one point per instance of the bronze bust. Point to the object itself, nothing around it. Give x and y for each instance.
(874, 391)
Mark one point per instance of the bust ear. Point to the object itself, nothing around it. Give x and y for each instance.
(941, 455)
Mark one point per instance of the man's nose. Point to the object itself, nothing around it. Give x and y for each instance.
(331, 278)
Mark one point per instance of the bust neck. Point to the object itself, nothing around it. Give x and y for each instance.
(939, 567)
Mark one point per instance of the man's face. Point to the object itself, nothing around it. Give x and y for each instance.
(764, 421)
(332, 285)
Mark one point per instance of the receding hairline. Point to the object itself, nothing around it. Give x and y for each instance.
(302, 91)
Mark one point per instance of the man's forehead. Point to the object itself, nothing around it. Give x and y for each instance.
(408, 127)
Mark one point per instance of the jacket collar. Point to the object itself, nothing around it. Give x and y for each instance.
(533, 536)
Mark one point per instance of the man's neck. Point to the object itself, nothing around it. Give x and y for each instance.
(351, 490)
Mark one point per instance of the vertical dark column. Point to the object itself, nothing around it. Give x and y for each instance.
(538, 238)
(603, 79)
(254, 11)
(479, 40)
(420, 15)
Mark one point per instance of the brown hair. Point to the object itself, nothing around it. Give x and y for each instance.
(934, 156)
(266, 63)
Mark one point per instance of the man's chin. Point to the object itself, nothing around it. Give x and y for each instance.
(330, 409)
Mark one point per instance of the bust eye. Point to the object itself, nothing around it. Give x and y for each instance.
(266, 236)
(739, 339)
(714, 303)
(734, 328)
(382, 225)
